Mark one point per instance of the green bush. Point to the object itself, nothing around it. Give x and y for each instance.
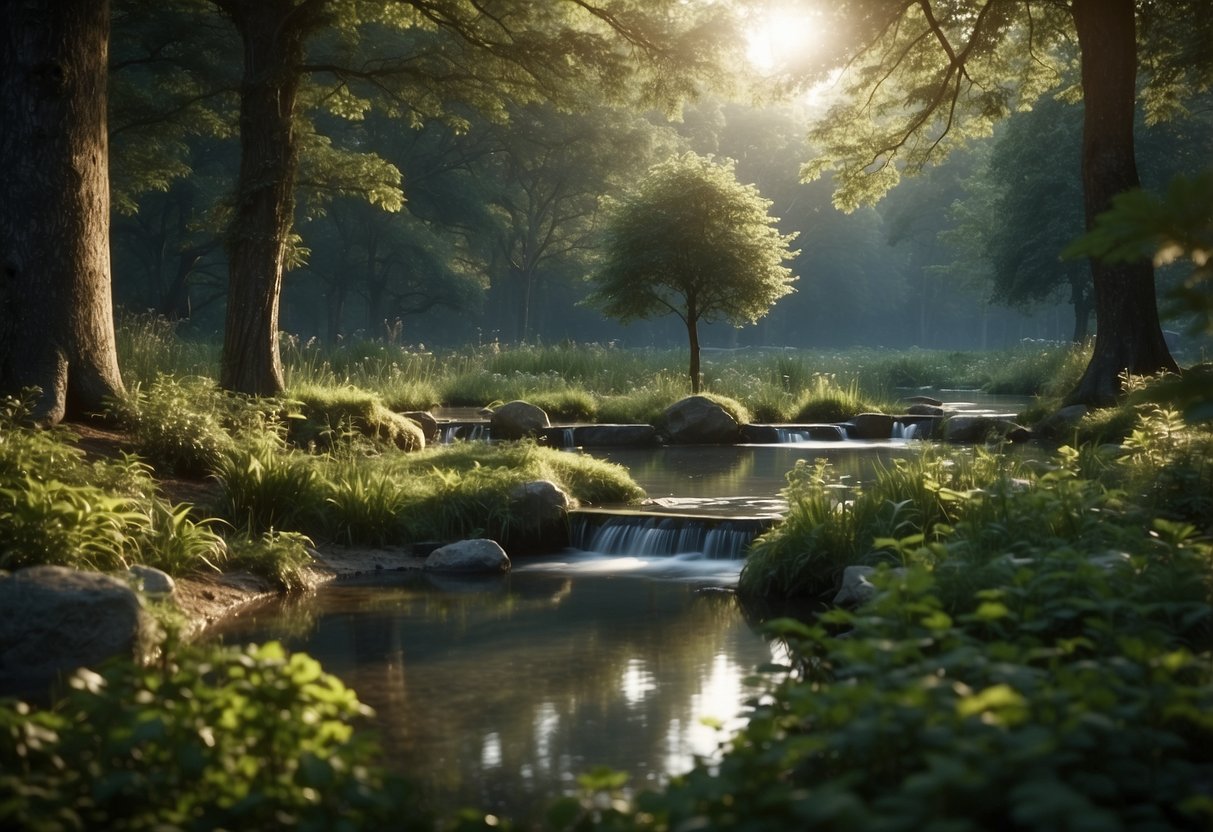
(332, 415)
(826, 400)
(208, 738)
(1071, 709)
(56, 508)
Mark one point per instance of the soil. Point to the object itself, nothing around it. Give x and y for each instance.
(205, 598)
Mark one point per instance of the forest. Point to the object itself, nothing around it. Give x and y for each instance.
(251, 248)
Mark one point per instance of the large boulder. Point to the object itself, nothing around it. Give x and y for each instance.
(54, 620)
(870, 426)
(518, 419)
(538, 518)
(697, 420)
(474, 556)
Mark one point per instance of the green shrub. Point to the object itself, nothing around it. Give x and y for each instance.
(332, 415)
(282, 558)
(208, 738)
(572, 405)
(265, 487)
(992, 719)
(825, 400)
(187, 425)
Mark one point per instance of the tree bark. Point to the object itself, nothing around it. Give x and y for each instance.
(56, 311)
(692, 321)
(272, 33)
(1128, 336)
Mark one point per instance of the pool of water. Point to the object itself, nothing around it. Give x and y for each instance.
(751, 471)
(497, 692)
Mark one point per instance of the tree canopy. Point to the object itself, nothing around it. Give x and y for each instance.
(923, 76)
(694, 242)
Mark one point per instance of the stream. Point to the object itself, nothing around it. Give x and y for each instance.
(497, 692)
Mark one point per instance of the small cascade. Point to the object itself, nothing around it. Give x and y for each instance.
(661, 535)
(567, 438)
(450, 432)
(810, 433)
(902, 430)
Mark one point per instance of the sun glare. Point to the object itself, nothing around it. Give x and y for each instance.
(779, 36)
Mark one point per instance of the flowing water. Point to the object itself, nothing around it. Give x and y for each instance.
(497, 692)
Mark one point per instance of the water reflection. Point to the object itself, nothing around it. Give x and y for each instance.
(498, 693)
(744, 470)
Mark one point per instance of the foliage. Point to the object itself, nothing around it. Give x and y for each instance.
(56, 508)
(188, 425)
(826, 400)
(693, 242)
(280, 557)
(1042, 705)
(331, 414)
(207, 738)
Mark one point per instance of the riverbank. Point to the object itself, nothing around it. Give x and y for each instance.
(205, 599)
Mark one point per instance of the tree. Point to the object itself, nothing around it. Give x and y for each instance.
(423, 60)
(925, 75)
(56, 320)
(694, 242)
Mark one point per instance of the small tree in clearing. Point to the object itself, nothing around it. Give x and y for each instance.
(694, 242)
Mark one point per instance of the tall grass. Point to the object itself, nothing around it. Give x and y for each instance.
(579, 382)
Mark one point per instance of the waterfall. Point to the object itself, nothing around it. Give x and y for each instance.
(663, 535)
(810, 433)
(567, 439)
(467, 431)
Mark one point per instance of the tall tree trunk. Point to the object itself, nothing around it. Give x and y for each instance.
(272, 33)
(693, 341)
(1128, 335)
(56, 311)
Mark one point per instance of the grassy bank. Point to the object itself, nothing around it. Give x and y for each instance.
(590, 382)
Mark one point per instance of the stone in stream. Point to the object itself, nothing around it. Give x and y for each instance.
(539, 512)
(475, 556)
(870, 426)
(518, 419)
(54, 620)
(697, 420)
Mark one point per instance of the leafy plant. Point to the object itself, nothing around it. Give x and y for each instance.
(208, 738)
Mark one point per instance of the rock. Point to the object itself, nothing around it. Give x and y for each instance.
(870, 426)
(426, 421)
(517, 419)
(856, 588)
(539, 512)
(697, 420)
(480, 555)
(152, 581)
(922, 400)
(54, 620)
(922, 409)
(972, 428)
(1061, 424)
